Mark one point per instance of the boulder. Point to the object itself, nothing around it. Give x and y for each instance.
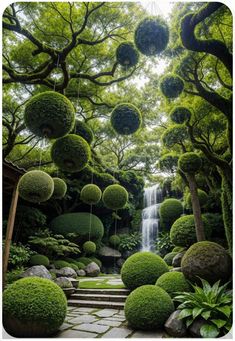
(92, 270)
(37, 271)
(81, 273)
(66, 272)
(176, 269)
(176, 262)
(107, 253)
(195, 327)
(175, 327)
(74, 282)
(63, 282)
(120, 262)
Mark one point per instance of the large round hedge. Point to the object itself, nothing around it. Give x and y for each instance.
(82, 129)
(170, 210)
(202, 196)
(115, 197)
(36, 186)
(91, 194)
(60, 188)
(49, 114)
(168, 258)
(78, 223)
(126, 119)
(148, 307)
(89, 247)
(142, 268)
(33, 307)
(180, 115)
(70, 153)
(171, 86)
(39, 260)
(114, 240)
(189, 163)
(151, 36)
(127, 55)
(207, 260)
(183, 232)
(173, 282)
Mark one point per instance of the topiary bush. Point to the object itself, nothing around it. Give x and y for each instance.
(59, 264)
(151, 36)
(170, 210)
(97, 261)
(82, 129)
(207, 260)
(36, 186)
(171, 86)
(127, 55)
(168, 258)
(33, 307)
(91, 194)
(89, 247)
(173, 282)
(39, 260)
(80, 265)
(114, 240)
(115, 197)
(148, 307)
(70, 153)
(202, 196)
(142, 268)
(49, 114)
(60, 188)
(86, 261)
(126, 119)
(180, 115)
(189, 163)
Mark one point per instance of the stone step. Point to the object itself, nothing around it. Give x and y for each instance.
(96, 304)
(103, 291)
(99, 297)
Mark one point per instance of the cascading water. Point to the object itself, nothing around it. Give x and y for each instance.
(150, 217)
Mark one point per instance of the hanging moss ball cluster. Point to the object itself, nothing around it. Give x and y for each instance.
(180, 115)
(39, 260)
(172, 86)
(60, 188)
(33, 307)
(70, 153)
(151, 36)
(126, 119)
(127, 55)
(49, 114)
(82, 129)
(89, 247)
(35, 186)
(189, 163)
(114, 240)
(115, 197)
(91, 194)
(173, 282)
(202, 196)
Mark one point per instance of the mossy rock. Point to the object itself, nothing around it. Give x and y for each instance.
(114, 240)
(82, 129)
(189, 163)
(170, 210)
(39, 260)
(89, 247)
(91, 194)
(127, 55)
(168, 258)
(202, 196)
(173, 282)
(171, 86)
(178, 249)
(115, 197)
(180, 115)
(126, 119)
(60, 188)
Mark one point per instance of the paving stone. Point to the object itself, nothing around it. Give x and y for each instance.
(106, 322)
(148, 334)
(83, 318)
(75, 334)
(85, 310)
(117, 318)
(96, 328)
(65, 326)
(106, 312)
(118, 333)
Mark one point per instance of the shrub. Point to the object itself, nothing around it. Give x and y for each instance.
(86, 261)
(129, 242)
(97, 261)
(82, 129)
(49, 114)
(33, 307)
(59, 264)
(163, 243)
(126, 119)
(115, 197)
(36, 186)
(151, 36)
(70, 153)
(168, 258)
(80, 265)
(60, 188)
(73, 266)
(89, 247)
(127, 55)
(91, 194)
(29, 217)
(114, 240)
(202, 196)
(39, 260)
(178, 249)
(215, 220)
(170, 210)
(174, 135)
(169, 162)
(171, 86)
(173, 282)
(189, 163)
(180, 115)
(14, 275)
(148, 307)
(142, 268)
(19, 255)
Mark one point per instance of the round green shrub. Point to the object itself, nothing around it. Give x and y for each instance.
(39, 260)
(189, 163)
(148, 307)
(49, 114)
(171, 86)
(70, 260)
(79, 224)
(86, 261)
(114, 240)
(97, 261)
(207, 260)
(60, 188)
(33, 307)
(173, 282)
(91, 194)
(202, 196)
(70, 153)
(82, 129)
(127, 55)
(183, 232)
(73, 266)
(142, 268)
(59, 264)
(36, 186)
(170, 210)
(168, 258)
(80, 265)
(126, 119)
(151, 36)
(180, 115)
(115, 197)
(89, 247)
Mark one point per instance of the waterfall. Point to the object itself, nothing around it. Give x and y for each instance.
(150, 217)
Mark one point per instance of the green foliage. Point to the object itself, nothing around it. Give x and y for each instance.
(189, 163)
(60, 188)
(168, 258)
(97, 261)
(115, 197)
(170, 210)
(227, 204)
(215, 220)
(176, 134)
(171, 86)
(163, 243)
(114, 240)
(169, 162)
(14, 275)
(19, 255)
(172, 282)
(91, 194)
(29, 217)
(89, 247)
(127, 55)
(180, 115)
(129, 242)
(73, 266)
(39, 260)
(178, 249)
(136, 219)
(80, 265)
(202, 196)
(59, 264)
(126, 119)
(86, 261)
(82, 129)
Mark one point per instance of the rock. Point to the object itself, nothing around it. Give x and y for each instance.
(120, 262)
(127, 253)
(176, 262)
(81, 273)
(66, 272)
(69, 291)
(176, 269)
(195, 327)
(37, 271)
(74, 282)
(108, 253)
(63, 282)
(92, 269)
(175, 327)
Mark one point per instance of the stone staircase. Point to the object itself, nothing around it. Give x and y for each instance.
(99, 298)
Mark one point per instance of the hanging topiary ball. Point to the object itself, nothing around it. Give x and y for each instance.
(172, 86)
(89, 247)
(70, 153)
(36, 186)
(115, 197)
(126, 119)
(189, 163)
(114, 240)
(180, 115)
(91, 194)
(151, 36)
(82, 129)
(127, 55)
(60, 188)
(49, 114)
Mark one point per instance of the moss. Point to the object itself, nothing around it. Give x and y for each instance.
(171, 86)
(97, 261)
(39, 260)
(60, 188)
(89, 247)
(202, 196)
(59, 264)
(180, 115)
(80, 265)
(168, 258)
(82, 129)
(170, 210)
(91, 194)
(115, 197)
(173, 282)
(148, 307)
(36, 186)
(189, 163)
(174, 135)
(126, 119)
(226, 201)
(86, 261)
(178, 249)
(127, 55)
(114, 240)
(73, 266)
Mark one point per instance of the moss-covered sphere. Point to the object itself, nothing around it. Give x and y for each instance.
(202, 196)
(91, 194)
(49, 114)
(173, 282)
(39, 260)
(189, 163)
(180, 115)
(36, 186)
(142, 268)
(70, 153)
(60, 188)
(82, 129)
(89, 247)
(207, 260)
(168, 258)
(170, 210)
(126, 119)
(127, 55)
(115, 197)
(114, 240)
(172, 86)
(151, 36)
(33, 307)
(148, 307)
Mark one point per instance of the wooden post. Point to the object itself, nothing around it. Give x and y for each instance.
(9, 232)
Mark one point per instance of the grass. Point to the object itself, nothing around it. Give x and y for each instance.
(99, 284)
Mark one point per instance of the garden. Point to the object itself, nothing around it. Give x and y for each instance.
(117, 170)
